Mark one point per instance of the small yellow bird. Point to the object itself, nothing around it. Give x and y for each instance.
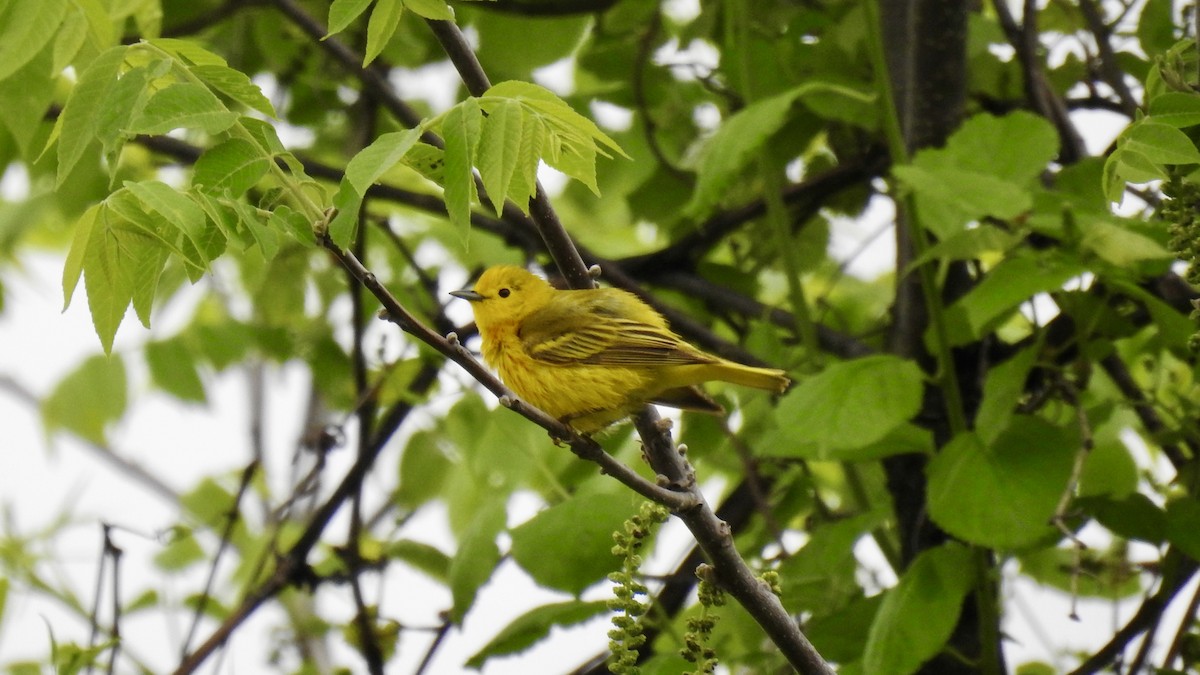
(593, 357)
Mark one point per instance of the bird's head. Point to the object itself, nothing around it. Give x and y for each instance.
(506, 293)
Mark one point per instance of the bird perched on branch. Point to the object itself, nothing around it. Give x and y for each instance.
(593, 357)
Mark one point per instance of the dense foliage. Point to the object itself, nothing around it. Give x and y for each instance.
(1010, 398)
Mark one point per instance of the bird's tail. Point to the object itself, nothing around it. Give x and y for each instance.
(771, 379)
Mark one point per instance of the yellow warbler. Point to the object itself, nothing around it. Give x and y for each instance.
(593, 357)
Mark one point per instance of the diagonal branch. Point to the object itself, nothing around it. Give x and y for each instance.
(1177, 572)
(1110, 69)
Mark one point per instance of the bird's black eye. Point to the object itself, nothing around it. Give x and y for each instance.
(504, 292)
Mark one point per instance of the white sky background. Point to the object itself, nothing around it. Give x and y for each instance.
(180, 443)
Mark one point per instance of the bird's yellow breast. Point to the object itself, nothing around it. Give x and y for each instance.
(589, 397)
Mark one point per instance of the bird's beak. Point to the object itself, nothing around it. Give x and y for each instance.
(467, 294)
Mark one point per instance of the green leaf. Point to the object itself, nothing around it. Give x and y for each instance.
(735, 144)
(98, 32)
(461, 129)
(973, 194)
(26, 28)
(534, 625)
(558, 116)
(181, 552)
(842, 636)
(565, 139)
(558, 37)
(282, 220)
(423, 469)
(267, 141)
(230, 168)
(125, 100)
(821, 574)
(385, 18)
(987, 168)
(524, 178)
(730, 150)
(1015, 147)
(423, 557)
(1156, 26)
(347, 203)
(73, 266)
(918, 615)
(236, 85)
(569, 545)
(343, 12)
(476, 558)
(1002, 390)
(69, 38)
(1108, 574)
(851, 405)
(379, 157)
(88, 399)
(969, 244)
(183, 106)
(499, 153)
(1182, 516)
(1120, 245)
(188, 52)
(1109, 468)
(1014, 281)
(78, 122)
(173, 368)
(26, 98)
(1001, 494)
(110, 255)
(209, 503)
(1126, 165)
(1176, 109)
(1132, 517)
(1160, 143)
(431, 9)
(176, 208)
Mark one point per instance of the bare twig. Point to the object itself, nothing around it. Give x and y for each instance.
(232, 516)
(1119, 372)
(1177, 571)
(1086, 443)
(438, 637)
(1185, 625)
(1110, 69)
(638, 89)
(1041, 96)
(111, 550)
(291, 568)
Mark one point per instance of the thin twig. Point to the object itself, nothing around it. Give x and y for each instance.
(94, 614)
(1186, 622)
(111, 550)
(1110, 69)
(1178, 570)
(1086, 443)
(292, 567)
(232, 517)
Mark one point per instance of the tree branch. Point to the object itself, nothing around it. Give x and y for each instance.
(1110, 70)
(1177, 571)
(1040, 95)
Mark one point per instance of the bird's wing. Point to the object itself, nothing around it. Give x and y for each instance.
(597, 330)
